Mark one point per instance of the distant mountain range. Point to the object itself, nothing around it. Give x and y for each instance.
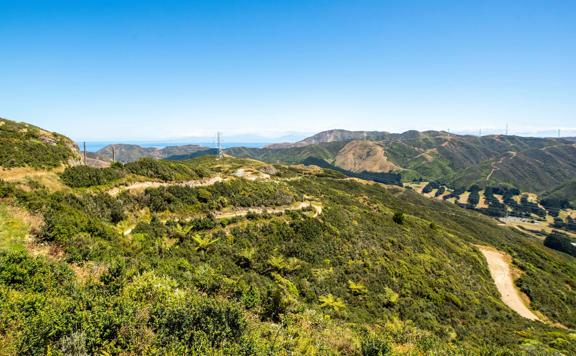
(528, 163)
(130, 153)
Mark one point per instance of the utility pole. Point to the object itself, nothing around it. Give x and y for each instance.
(113, 154)
(84, 152)
(219, 138)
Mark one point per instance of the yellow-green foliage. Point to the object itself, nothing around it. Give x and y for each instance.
(357, 288)
(390, 297)
(281, 264)
(330, 301)
(203, 243)
(13, 230)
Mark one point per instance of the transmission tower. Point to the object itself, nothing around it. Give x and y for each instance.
(219, 139)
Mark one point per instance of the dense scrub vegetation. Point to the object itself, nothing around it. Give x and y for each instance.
(561, 242)
(84, 176)
(377, 271)
(23, 145)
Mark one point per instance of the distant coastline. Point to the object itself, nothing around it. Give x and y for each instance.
(94, 146)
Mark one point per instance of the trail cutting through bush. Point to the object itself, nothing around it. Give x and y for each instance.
(148, 184)
(272, 210)
(499, 265)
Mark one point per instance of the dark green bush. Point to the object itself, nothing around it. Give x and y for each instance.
(84, 176)
(560, 242)
(398, 217)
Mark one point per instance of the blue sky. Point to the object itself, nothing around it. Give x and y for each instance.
(169, 69)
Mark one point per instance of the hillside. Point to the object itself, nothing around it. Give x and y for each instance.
(333, 136)
(25, 145)
(130, 153)
(364, 156)
(236, 256)
(566, 191)
(531, 164)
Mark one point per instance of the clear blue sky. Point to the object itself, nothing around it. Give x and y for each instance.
(156, 69)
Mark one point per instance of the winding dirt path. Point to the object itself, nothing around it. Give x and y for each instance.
(495, 164)
(499, 265)
(143, 185)
(280, 209)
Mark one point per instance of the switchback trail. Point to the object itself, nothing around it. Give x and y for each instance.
(143, 185)
(272, 210)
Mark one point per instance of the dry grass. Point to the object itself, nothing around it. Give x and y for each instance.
(88, 272)
(47, 178)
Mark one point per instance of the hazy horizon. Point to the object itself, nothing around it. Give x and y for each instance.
(260, 141)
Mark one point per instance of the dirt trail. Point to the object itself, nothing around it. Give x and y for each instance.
(495, 164)
(143, 185)
(279, 209)
(499, 265)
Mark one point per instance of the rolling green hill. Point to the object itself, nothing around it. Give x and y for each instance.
(235, 256)
(24, 145)
(130, 153)
(565, 191)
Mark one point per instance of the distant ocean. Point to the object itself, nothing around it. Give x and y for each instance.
(97, 145)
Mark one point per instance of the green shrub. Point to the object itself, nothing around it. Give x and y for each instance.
(375, 346)
(84, 176)
(560, 242)
(164, 170)
(398, 217)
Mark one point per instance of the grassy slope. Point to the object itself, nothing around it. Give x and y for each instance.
(564, 191)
